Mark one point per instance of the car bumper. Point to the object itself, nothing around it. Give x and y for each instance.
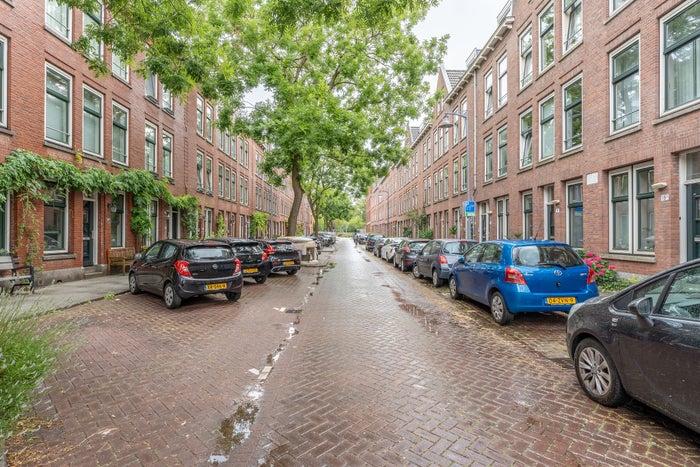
(260, 270)
(288, 265)
(190, 287)
(521, 300)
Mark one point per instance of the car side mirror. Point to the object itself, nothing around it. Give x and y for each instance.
(138, 256)
(641, 307)
(461, 260)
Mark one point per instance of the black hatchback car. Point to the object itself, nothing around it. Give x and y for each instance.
(406, 251)
(282, 255)
(252, 257)
(180, 269)
(642, 342)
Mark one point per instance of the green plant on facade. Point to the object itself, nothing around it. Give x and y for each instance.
(426, 233)
(453, 230)
(259, 223)
(221, 230)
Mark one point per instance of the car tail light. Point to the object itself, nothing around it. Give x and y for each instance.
(406, 249)
(591, 276)
(514, 276)
(237, 268)
(443, 259)
(264, 256)
(183, 268)
(270, 250)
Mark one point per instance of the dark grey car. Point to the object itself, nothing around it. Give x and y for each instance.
(180, 269)
(406, 251)
(437, 256)
(644, 343)
(253, 259)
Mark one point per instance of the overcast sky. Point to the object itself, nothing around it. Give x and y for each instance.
(469, 24)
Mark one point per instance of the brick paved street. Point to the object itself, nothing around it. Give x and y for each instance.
(369, 366)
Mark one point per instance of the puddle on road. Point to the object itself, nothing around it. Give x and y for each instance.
(233, 431)
(429, 322)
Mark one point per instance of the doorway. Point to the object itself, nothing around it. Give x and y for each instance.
(88, 233)
(693, 207)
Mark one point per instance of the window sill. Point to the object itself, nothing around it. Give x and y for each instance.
(630, 257)
(571, 152)
(671, 114)
(549, 160)
(622, 133)
(95, 158)
(60, 147)
(5, 131)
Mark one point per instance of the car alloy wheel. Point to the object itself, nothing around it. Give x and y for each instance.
(597, 374)
(453, 288)
(133, 286)
(437, 282)
(499, 309)
(416, 273)
(171, 298)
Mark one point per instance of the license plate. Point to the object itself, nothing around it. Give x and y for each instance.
(215, 286)
(288, 263)
(561, 300)
(250, 270)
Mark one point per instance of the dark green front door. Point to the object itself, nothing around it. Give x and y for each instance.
(693, 203)
(88, 233)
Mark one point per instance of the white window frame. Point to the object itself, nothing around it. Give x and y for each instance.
(120, 69)
(209, 125)
(618, 79)
(691, 40)
(525, 140)
(3, 81)
(200, 170)
(571, 206)
(488, 159)
(98, 19)
(503, 80)
(166, 99)
(525, 44)
(65, 227)
(68, 114)
(200, 116)
(632, 227)
(150, 86)
(569, 115)
(208, 175)
(117, 219)
(502, 151)
(616, 5)
(542, 122)
(98, 114)
(502, 214)
(528, 214)
(150, 143)
(167, 149)
(572, 24)
(56, 25)
(126, 134)
(488, 94)
(547, 35)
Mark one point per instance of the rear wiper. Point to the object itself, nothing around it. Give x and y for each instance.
(555, 263)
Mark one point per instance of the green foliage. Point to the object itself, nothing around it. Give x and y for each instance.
(258, 223)
(425, 233)
(28, 352)
(605, 274)
(221, 230)
(407, 232)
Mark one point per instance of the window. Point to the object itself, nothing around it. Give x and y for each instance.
(233, 185)
(227, 183)
(152, 235)
(484, 221)
(150, 146)
(465, 171)
(502, 81)
(200, 171)
(681, 49)
(446, 181)
(200, 116)
(93, 20)
(573, 115)
(624, 68)
(151, 85)
(209, 123)
(209, 176)
(441, 140)
(244, 191)
(56, 222)
(120, 134)
(455, 176)
(632, 210)
(120, 68)
(117, 221)
(58, 19)
(572, 23)
(92, 122)
(549, 210)
(208, 221)
(221, 180)
(4, 224)
(436, 149)
(526, 139)
(167, 140)
(503, 152)
(488, 94)
(488, 159)
(617, 4)
(455, 127)
(547, 37)
(502, 217)
(3, 81)
(58, 106)
(574, 204)
(167, 100)
(547, 128)
(437, 184)
(526, 57)
(527, 215)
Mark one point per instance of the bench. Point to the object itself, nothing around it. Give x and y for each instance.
(120, 257)
(14, 276)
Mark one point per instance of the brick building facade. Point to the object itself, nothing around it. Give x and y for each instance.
(51, 104)
(577, 122)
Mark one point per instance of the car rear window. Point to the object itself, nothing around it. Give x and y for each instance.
(546, 255)
(213, 252)
(456, 248)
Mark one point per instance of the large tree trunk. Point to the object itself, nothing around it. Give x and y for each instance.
(296, 204)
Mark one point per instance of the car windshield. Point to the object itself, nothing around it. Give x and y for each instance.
(546, 255)
(214, 252)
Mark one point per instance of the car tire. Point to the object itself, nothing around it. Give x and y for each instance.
(598, 375)
(452, 282)
(499, 309)
(402, 266)
(170, 296)
(416, 273)
(437, 281)
(133, 286)
(233, 296)
(292, 272)
(260, 279)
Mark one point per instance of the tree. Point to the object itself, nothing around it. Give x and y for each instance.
(344, 80)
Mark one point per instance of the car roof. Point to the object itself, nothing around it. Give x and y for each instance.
(527, 242)
(187, 242)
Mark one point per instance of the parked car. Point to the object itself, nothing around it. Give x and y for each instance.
(361, 238)
(389, 249)
(406, 251)
(371, 240)
(180, 269)
(436, 258)
(644, 343)
(521, 276)
(253, 259)
(282, 255)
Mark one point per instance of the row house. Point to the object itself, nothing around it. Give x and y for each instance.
(576, 121)
(52, 105)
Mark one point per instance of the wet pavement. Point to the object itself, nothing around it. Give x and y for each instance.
(351, 364)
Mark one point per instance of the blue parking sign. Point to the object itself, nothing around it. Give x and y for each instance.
(469, 208)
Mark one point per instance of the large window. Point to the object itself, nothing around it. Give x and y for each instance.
(502, 215)
(117, 221)
(465, 170)
(502, 80)
(572, 23)
(3, 81)
(526, 57)
(167, 100)
(152, 235)
(56, 222)
(573, 115)
(58, 19)
(527, 215)
(503, 152)
(488, 94)
(150, 151)
(58, 106)
(547, 128)
(209, 128)
(455, 176)
(200, 171)
(233, 185)
(547, 37)
(120, 134)
(120, 68)
(167, 140)
(681, 49)
(209, 176)
(624, 68)
(200, 116)
(151, 85)
(617, 4)
(526, 139)
(632, 210)
(574, 204)
(488, 159)
(93, 20)
(92, 122)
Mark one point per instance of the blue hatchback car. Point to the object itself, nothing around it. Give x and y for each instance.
(521, 276)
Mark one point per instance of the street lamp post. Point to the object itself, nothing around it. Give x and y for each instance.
(387, 209)
(469, 211)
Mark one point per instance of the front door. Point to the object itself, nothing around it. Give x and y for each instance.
(88, 233)
(693, 206)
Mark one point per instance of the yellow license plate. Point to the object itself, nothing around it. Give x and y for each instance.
(561, 300)
(215, 286)
(250, 270)
(288, 263)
